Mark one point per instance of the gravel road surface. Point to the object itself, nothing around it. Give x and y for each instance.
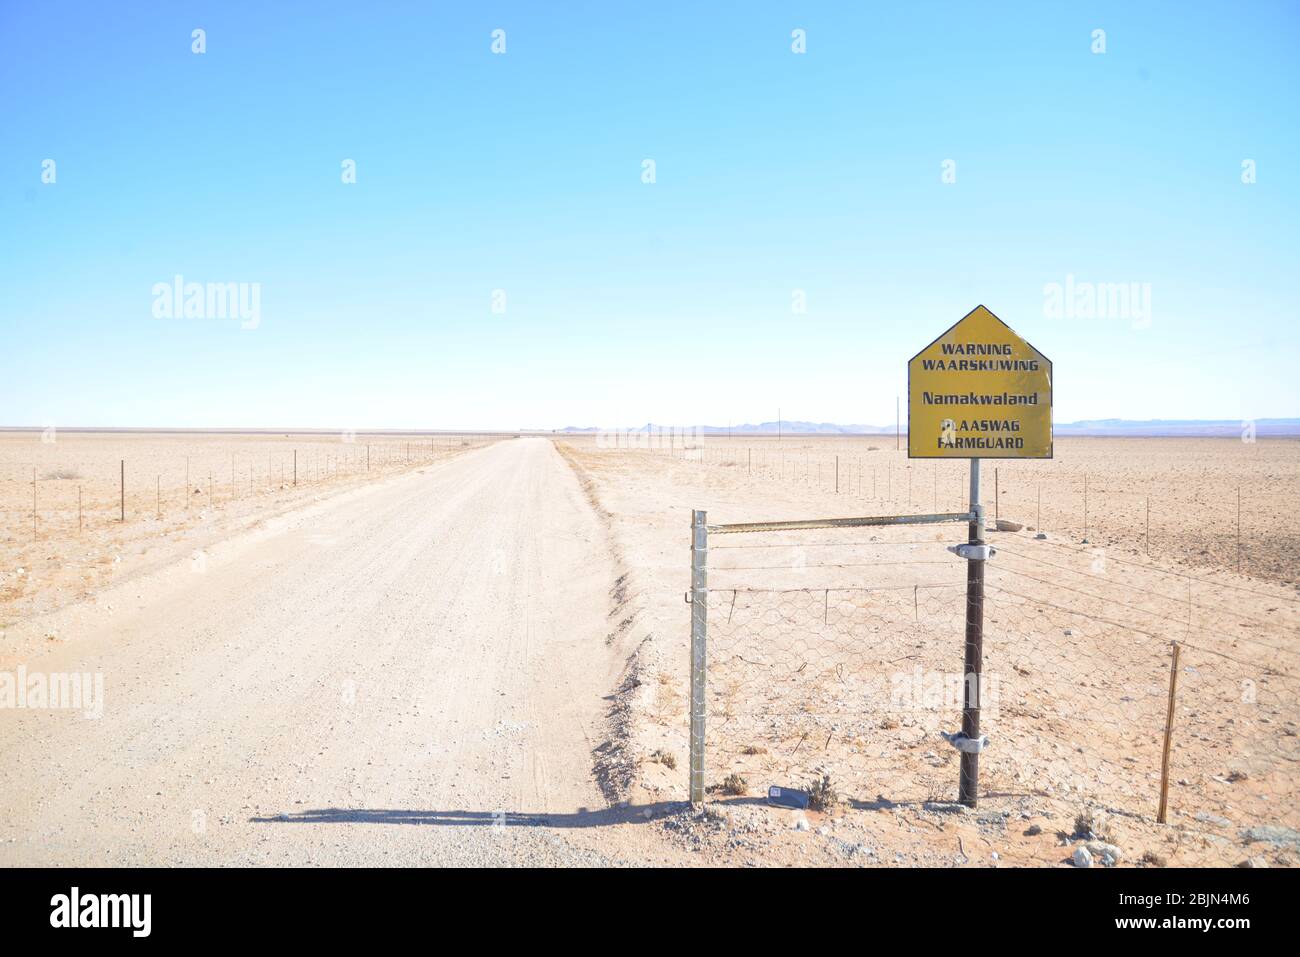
(410, 674)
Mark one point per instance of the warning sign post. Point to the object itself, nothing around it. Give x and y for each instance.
(979, 391)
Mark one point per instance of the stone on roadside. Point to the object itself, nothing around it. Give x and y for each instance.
(1108, 854)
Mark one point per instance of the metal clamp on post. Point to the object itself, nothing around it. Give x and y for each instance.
(964, 744)
(973, 553)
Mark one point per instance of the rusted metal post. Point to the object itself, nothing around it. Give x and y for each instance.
(972, 672)
(1169, 734)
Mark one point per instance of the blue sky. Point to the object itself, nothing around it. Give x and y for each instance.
(627, 301)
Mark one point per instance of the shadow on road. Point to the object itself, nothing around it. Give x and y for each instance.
(583, 817)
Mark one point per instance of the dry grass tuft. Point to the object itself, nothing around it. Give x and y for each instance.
(660, 756)
(822, 795)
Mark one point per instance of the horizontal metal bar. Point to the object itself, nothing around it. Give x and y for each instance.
(934, 519)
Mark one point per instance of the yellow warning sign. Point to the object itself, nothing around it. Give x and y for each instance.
(979, 391)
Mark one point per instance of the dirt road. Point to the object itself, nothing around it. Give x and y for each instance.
(429, 651)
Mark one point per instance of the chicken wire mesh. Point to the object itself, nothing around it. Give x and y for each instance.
(803, 679)
(1235, 754)
(859, 681)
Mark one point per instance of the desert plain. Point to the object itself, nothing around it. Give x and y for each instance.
(466, 649)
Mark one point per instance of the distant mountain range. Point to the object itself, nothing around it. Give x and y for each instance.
(1130, 427)
(1190, 427)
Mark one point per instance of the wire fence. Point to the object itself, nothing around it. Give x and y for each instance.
(858, 681)
(72, 509)
(1236, 527)
(74, 488)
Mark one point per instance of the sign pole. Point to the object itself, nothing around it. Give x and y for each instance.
(968, 785)
(981, 363)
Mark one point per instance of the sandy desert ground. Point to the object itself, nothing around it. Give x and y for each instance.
(814, 635)
(477, 652)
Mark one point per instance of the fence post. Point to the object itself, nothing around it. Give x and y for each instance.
(1169, 734)
(699, 626)
(1085, 508)
(968, 782)
(122, 491)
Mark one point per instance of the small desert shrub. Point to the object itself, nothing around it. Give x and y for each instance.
(1094, 825)
(60, 474)
(660, 756)
(822, 795)
(733, 783)
(753, 749)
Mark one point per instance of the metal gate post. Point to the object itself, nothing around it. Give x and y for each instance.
(972, 683)
(699, 625)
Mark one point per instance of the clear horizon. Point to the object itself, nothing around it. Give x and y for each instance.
(502, 261)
